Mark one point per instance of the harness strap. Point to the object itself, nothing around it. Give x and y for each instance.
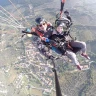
(69, 46)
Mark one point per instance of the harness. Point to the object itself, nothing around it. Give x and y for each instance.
(59, 42)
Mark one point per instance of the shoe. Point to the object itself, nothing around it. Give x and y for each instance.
(86, 56)
(79, 67)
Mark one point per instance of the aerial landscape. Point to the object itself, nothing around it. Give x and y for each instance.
(24, 70)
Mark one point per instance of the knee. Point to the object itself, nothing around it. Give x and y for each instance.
(83, 44)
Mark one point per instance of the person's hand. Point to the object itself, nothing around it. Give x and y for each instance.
(43, 38)
(33, 29)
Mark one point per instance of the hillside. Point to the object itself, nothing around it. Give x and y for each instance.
(24, 71)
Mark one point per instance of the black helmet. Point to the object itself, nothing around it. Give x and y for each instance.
(39, 20)
(58, 23)
(61, 24)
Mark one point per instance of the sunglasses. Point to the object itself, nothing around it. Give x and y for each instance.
(41, 24)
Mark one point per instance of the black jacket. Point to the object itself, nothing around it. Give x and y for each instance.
(59, 42)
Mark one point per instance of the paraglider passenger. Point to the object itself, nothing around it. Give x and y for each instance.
(71, 45)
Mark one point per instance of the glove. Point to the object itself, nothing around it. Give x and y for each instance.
(47, 40)
(28, 30)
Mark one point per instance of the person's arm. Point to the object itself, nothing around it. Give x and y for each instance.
(62, 6)
(35, 31)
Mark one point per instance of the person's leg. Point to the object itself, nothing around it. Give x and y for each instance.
(79, 44)
(82, 46)
(44, 50)
(57, 50)
(73, 57)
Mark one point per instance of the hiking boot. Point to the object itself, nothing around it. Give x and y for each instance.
(86, 56)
